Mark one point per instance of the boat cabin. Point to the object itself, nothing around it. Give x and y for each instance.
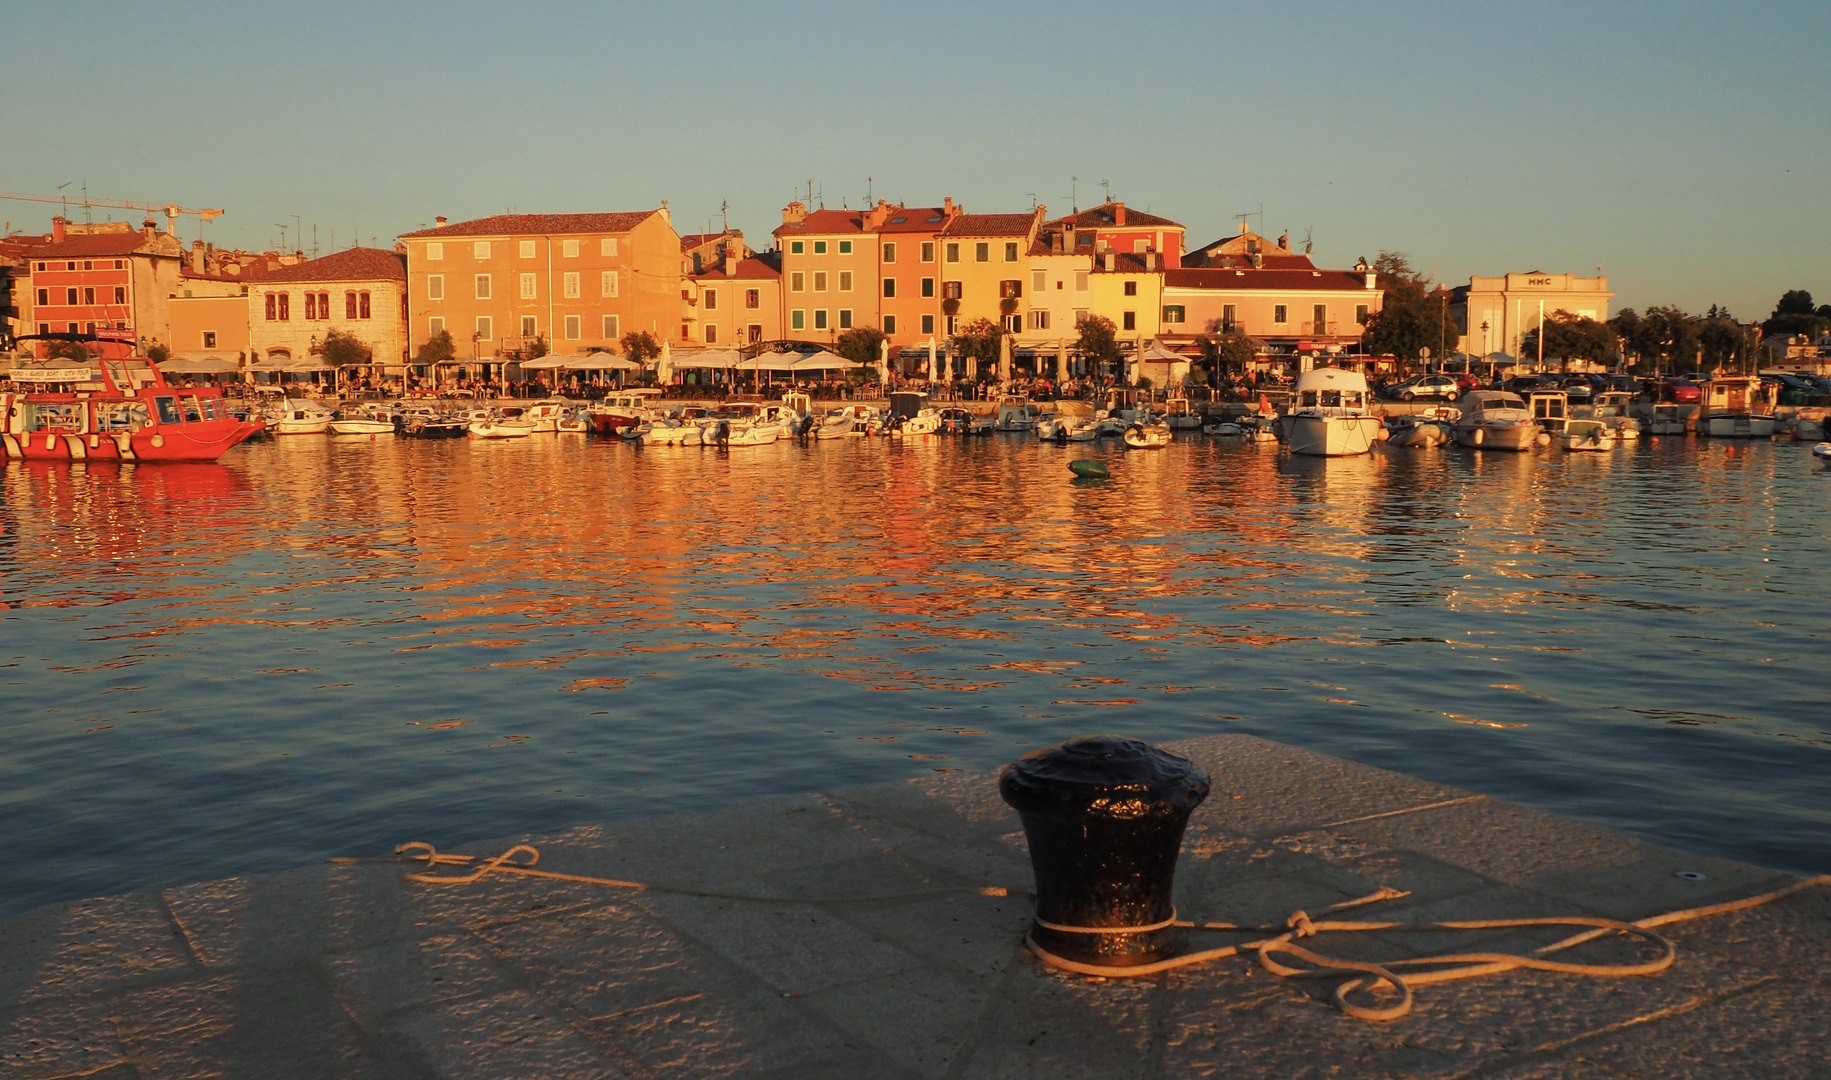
(906, 403)
(1327, 388)
(1735, 394)
(1551, 408)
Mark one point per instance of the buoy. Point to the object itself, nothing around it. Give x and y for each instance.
(1088, 468)
(1544, 439)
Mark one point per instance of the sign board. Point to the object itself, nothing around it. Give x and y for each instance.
(55, 375)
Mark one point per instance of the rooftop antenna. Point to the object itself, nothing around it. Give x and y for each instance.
(334, 237)
(1033, 200)
(1307, 229)
(869, 180)
(810, 191)
(280, 226)
(66, 202)
(1106, 186)
(724, 215)
(314, 239)
(88, 212)
(298, 233)
(1074, 194)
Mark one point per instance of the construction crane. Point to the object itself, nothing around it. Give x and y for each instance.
(170, 210)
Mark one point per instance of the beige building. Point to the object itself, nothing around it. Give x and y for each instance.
(737, 302)
(361, 292)
(1495, 314)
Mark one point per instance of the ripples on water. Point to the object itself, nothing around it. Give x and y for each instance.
(327, 647)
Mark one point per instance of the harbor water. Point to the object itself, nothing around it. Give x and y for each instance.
(326, 646)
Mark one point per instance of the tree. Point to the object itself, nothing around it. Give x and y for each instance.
(1098, 339)
(861, 344)
(438, 349)
(640, 346)
(1237, 350)
(1724, 342)
(67, 350)
(535, 350)
(1663, 339)
(1794, 314)
(158, 354)
(979, 339)
(1394, 267)
(1410, 319)
(1571, 337)
(345, 350)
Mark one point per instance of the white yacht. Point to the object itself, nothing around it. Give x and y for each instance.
(1013, 414)
(1331, 416)
(296, 416)
(1495, 420)
(1589, 435)
(1736, 407)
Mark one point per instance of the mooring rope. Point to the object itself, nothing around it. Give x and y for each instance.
(1363, 976)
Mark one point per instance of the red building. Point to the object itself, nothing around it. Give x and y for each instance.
(108, 285)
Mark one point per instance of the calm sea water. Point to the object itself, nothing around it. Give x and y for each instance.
(321, 647)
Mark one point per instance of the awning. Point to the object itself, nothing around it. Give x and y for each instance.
(824, 361)
(201, 363)
(770, 361)
(707, 359)
(545, 363)
(277, 364)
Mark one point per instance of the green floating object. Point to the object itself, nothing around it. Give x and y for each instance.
(1088, 468)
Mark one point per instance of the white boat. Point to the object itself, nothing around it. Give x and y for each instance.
(1050, 426)
(1550, 409)
(1614, 408)
(624, 409)
(671, 431)
(1736, 407)
(926, 421)
(1152, 436)
(294, 416)
(849, 422)
(1668, 419)
(965, 422)
(1109, 424)
(753, 434)
(1589, 435)
(1013, 414)
(1495, 420)
(1416, 432)
(1081, 429)
(362, 425)
(489, 424)
(1822, 452)
(1180, 417)
(545, 414)
(1331, 417)
(576, 420)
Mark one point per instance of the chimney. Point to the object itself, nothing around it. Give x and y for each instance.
(666, 214)
(794, 213)
(1112, 262)
(1055, 243)
(1150, 260)
(197, 256)
(149, 228)
(1370, 278)
(1118, 213)
(1068, 238)
(57, 229)
(1284, 242)
(1258, 261)
(947, 207)
(438, 222)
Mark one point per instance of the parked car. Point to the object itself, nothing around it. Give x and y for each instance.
(1426, 386)
(1792, 382)
(1820, 381)
(1580, 389)
(1683, 391)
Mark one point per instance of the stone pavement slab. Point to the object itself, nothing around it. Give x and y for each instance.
(352, 971)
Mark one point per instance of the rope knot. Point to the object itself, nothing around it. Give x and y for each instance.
(1299, 923)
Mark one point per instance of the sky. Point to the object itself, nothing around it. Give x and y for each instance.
(1681, 147)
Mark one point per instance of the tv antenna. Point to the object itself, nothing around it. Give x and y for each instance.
(1307, 229)
(869, 180)
(724, 215)
(1260, 213)
(1106, 186)
(280, 226)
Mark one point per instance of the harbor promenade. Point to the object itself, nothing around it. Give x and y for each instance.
(351, 970)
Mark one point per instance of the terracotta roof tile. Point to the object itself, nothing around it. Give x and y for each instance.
(85, 247)
(1247, 278)
(826, 222)
(536, 225)
(990, 225)
(747, 270)
(1101, 217)
(926, 219)
(355, 264)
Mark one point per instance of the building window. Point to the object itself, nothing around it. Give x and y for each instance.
(1011, 252)
(982, 251)
(1039, 320)
(845, 247)
(1360, 314)
(527, 249)
(1039, 280)
(350, 310)
(570, 284)
(435, 326)
(435, 286)
(486, 329)
(1278, 314)
(845, 318)
(845, 281)
(1013, 323)
(530, 326)
(889, 253)
(569, 249)
(44, 327)
(820, 247)
(711, 334)
(480, 249)
(753, 299)
(120, 294)
(928, 324)
(1131, 288)
(950, 290)
(89, 296)
(311, 307)
(890, 325)
(530, 286)
(953, 325)
(575, 327)
(608, 283)
(797, 282)
(1173, 313)
(1010, 289)
(435, 252)
(607, 245)
(1139, 247)
(1080, 281)
(285, 307)
(756, 332)
(70, 297)
(1319, 315)
(820, 281)
(612, 323)
(820, 319)
(795, 247)
(953, 253)
(483, 286)
(1131, 321)
(928, 287)
(797, 319)
(209, 339)
(1229, 316)
(890, 288)
(44, 298)
(928, 251)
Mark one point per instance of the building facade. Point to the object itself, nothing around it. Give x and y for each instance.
(735, 303)
(109, 282)
(360, 292)
(985, 268)
(1495, 314)
(578, 282)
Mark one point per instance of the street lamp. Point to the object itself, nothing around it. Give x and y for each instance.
(1485, 349)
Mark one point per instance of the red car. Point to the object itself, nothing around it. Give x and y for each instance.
(1683, 391)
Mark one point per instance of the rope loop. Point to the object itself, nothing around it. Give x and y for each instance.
(1300, 925)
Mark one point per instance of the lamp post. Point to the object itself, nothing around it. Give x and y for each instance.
(1486, 350)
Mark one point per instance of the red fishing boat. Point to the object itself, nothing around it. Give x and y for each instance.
(114, 410)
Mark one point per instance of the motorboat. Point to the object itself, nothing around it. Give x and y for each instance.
(1736, 407)
(115, 410)
(756, 433)
(624, 409)
(298, 416)
(1109, 424)
(1822, 452)
(419, 426)
(848, 422)
(959, 421)
(1495, 420)
(1589, 435)
(1080, 429)
(1049, 425)
(1614, 408)
(362, 425)
(1331, 417)
(671, 431)
(489, 424)
(576, 420)
(1152, 436)
(1180, 417)
(1550, 409)
(545, 414)
(1668, 418)
(1013, 414)
(926, 421)
(1417, 432)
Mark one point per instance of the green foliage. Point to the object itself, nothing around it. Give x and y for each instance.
(1237, 350)
(861, 344)
(640, 346)
(536, 350)
(979, 340)
(1394, 268)
(1571, 337)
(1098, 339)
(1410, 319)
(1144, 382)
(1663, 339)
(1794, 314)
(67, 350)
(345, 350)
(1724, 342)
(158, 354)
(438, 349)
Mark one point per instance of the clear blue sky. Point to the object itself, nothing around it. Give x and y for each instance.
(1682, 146)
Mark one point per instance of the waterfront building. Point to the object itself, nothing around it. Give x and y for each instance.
(829, 271)
(1285, 302)
(984, 266)
(361, 292)
(736, 302)
(577, 282)
(108, 282)
(698, 251)
(1111, 226)
(210, 309)
(909, 278)
(1495, 314)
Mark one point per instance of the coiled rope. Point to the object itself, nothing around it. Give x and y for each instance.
(1363, 977)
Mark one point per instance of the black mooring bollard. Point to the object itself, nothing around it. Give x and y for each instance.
(1104, 816)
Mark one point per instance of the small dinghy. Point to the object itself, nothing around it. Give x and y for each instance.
(1152, 436)
(1822, 452)
(1088, 469)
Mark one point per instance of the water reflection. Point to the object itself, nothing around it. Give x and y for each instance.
(327, 645)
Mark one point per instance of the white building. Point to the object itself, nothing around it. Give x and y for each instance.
(1495, 314)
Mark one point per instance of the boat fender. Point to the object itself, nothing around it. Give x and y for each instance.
(77, 449)
(125, 443)
(95, 441)
(1544, 439)
(12, 446)
(1479, 437)
(1088, 468)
